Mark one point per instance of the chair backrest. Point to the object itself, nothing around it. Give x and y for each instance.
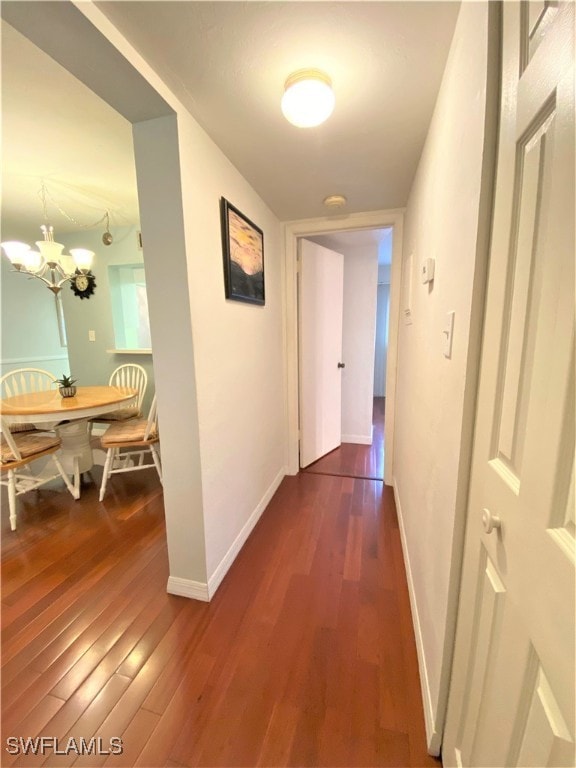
(7, 436)
(133, 376)
(151, 425)
(25, 380)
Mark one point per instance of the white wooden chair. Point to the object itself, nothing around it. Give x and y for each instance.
(25, 380)
(20, 382)
(129, 375)
(126, 444)
(17, 452)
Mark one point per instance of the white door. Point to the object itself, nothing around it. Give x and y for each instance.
(512, 690)
(320, 307)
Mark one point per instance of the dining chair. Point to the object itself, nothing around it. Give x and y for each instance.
(25, 380)
(126, 444)
(18, 451)
(128, 375)
(22, 381)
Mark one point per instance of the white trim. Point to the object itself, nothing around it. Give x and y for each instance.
(33, 358)
(129, 351)
(195, 590)
(222, 568)
(433, 736)
(357, 439)
(302, 228)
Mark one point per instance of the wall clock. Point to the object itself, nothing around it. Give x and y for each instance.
(83, 284)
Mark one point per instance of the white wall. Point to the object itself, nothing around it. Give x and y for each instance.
(434, 399)
(358, 342)
(234, 356)
(239, 354)
(223, 419)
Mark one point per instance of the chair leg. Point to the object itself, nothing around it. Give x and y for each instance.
(72, 487)
(106, 473)
(12, 498)
(156, 459)
(76, 477)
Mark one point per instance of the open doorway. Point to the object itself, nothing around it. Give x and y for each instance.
(361, 347)
(154, 125)
(311, 228)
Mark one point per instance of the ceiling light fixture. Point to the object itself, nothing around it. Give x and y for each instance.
(48, 263)
(308, 98)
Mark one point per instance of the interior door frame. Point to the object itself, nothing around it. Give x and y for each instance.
(293, 230)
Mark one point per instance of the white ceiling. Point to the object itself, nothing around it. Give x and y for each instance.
(227, 62)
(56, 129)
(343, 242)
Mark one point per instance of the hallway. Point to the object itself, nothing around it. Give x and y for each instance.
(305, 657)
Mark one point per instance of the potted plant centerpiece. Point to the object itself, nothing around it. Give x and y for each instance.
(66, 386)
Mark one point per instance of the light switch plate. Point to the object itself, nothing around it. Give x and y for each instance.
(448, 334)
(91, 335)
(427, 270)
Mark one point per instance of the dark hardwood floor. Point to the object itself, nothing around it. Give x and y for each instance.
(305, 657)
(354, 460)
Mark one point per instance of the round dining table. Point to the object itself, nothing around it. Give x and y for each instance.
(69, 416)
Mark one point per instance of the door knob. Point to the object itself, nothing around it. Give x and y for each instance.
(490, 521)
(341, 365)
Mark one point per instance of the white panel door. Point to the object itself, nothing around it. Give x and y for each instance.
(320, 307)
(512, 692)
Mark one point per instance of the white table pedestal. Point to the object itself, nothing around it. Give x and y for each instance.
(75, 450)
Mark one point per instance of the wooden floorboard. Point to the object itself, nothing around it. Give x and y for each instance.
(305, 656)
(353, 459)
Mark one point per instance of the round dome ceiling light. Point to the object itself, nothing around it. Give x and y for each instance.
(335, 201)
(308, 98)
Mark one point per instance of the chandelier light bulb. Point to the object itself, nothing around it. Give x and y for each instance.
(33, 261)
(15, 251)
(82, 258)
(51, 251)
(308, 98)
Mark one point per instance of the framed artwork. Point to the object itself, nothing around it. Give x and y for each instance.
(243, 249)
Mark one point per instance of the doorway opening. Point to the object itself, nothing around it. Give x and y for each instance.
(376, 240)
(343, 295)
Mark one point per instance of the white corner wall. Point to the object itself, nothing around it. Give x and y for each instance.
(236, 378)
(435, 394)
(239, 356)
(358, 343)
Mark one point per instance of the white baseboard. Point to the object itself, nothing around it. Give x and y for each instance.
(359, 439)
(222, 569)
(196, 590)
(433, 736)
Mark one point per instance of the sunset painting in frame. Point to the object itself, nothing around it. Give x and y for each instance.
(243, 247)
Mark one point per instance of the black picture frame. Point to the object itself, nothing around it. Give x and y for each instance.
(243, 251)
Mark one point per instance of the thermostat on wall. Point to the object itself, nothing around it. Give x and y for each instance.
(427, 270)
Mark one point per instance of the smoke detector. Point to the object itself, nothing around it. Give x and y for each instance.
(335, 201)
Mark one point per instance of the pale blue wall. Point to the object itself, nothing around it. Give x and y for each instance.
(30, 337)
(90, 361)
(381, 340)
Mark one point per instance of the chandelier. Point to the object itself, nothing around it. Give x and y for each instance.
(49, 264)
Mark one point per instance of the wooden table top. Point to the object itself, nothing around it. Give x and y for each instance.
(51, 403)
